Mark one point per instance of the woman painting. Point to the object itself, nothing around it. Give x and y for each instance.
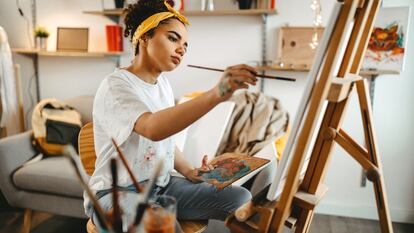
(135, 106)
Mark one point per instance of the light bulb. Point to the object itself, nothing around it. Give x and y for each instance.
(317, 22)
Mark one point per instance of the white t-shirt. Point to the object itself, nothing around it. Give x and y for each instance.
(120, 100)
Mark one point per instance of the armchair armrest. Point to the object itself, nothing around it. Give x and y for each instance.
(14, 152)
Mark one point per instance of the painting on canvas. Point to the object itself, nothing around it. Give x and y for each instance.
(387, 45)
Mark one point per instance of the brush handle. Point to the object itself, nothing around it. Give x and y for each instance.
(257, 75)
(149, 187)
(138, 187)
(117, 219)
(70, 154)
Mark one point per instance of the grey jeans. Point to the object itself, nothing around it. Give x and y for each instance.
(194, 200)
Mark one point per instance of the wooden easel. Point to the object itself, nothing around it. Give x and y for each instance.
(295, 206)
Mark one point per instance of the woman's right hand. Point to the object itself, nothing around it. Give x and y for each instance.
(234, 78)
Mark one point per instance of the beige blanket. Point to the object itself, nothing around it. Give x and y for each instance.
(256, 121)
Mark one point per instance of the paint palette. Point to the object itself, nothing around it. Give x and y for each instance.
(230, 167)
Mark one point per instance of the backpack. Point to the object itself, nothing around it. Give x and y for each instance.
(54, 125)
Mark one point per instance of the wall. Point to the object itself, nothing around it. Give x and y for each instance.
(223, 41)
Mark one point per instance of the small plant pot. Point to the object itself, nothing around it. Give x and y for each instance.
(245, 4)
(41, 43)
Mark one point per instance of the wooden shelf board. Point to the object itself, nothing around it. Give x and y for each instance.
(64, 53)
(230, 12)
(118, 12)
(377, 72)
(108, 12)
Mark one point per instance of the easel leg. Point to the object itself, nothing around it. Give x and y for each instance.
(379, 185)
(305, 219)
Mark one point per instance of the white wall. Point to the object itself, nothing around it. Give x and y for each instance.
(226, 40)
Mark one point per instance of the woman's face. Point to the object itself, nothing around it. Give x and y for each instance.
(168, 45)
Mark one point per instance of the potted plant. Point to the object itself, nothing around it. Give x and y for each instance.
(41, 35)
(119, 4)
(245, 4)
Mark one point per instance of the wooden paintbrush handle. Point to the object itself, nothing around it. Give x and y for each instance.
(245, 211)
(257, 75)
(125, 162)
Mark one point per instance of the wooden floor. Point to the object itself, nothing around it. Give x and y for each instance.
(11, 221)
(335, 224)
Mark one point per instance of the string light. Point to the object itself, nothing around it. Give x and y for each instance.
(317, 22)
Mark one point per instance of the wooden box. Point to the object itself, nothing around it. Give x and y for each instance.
(294, 50)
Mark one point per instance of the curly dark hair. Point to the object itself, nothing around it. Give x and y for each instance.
(136, 13)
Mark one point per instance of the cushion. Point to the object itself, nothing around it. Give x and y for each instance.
(53, 175)
(280, 143)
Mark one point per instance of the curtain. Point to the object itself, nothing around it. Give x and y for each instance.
(8, 95)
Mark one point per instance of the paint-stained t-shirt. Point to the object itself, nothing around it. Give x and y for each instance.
(120, 100)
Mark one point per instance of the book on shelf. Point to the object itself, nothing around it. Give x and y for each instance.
(114, 38)
(266, 4)
(230, 167)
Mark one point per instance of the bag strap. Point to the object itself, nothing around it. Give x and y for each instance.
(51, 106)
(36, 146)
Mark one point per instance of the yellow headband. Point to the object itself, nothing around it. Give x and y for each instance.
(153, 21)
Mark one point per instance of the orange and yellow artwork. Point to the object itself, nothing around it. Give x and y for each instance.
(386, 46)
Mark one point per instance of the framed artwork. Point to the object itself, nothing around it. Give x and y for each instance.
(387, 45)
(72, 39)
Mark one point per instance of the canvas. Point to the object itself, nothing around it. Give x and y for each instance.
(230, 167)
(283, 167)
(387, 45)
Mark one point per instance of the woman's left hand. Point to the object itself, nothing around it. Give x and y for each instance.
(195, 175)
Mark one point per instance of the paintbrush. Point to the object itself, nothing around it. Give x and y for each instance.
(117, 220)
(149, 187)
(138, 187)
(257, 75)
(71, 154)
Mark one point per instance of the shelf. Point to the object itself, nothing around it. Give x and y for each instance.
(26, 51)
(230, 12)
(108, 12)
(377, 72)
(118, 12)
(304, 68)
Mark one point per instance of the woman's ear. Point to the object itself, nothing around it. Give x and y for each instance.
(143, 41)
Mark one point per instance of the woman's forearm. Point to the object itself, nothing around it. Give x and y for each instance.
(162, 124)
(181, 165)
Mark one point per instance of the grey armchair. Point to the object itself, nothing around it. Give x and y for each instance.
(48, 185)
